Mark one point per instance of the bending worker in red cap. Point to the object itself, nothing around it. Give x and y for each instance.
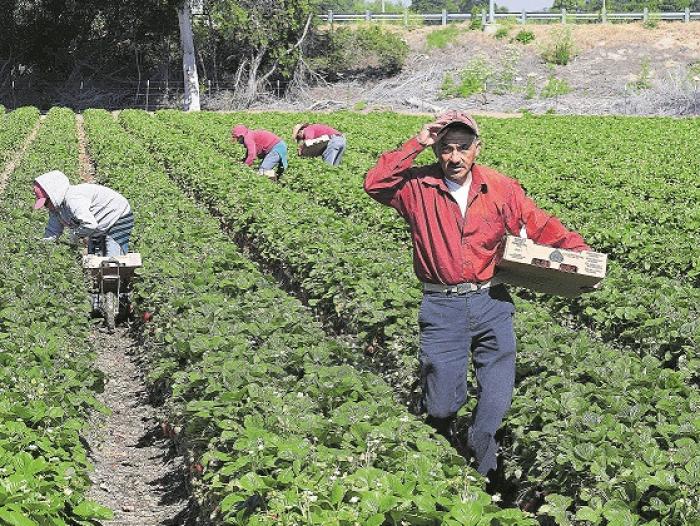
(88, 210)
(459, 213)
(334, 148)
(262, 144)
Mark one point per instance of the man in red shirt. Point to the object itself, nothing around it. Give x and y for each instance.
(459, 213)
(262, 144)
(335, 147)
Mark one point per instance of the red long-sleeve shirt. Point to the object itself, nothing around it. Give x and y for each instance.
(447, 247)
(314, 131)
(258, 143)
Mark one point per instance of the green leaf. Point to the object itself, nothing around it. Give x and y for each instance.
(88, 509)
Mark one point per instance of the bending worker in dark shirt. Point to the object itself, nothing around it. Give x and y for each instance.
(459, 212)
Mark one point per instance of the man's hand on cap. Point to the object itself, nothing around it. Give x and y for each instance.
(428, 134)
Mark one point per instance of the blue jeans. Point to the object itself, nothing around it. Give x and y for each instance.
(275, 159)
(333, 153)
(453, 327)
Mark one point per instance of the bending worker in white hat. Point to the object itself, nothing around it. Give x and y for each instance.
(88, 210)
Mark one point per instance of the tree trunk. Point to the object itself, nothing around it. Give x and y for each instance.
(189, 63)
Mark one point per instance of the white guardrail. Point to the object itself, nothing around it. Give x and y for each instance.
(522, 17)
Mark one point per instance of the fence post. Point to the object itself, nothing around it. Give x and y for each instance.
(604, 16)
(444, 17)
(483, 19)
(646, 14)
(368, 16)
(148, 89)
(330, 17)
(405, 17)
(278, 89)
(523, 17)
(563, 15)
(687, 15)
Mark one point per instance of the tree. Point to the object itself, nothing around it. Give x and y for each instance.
(259, 40)
(189, 63)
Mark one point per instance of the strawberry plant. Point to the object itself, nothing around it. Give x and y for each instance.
(14, 128)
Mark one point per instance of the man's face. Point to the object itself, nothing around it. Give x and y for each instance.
(456, 159)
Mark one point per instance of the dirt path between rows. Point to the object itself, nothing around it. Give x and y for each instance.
(87, 167)
(138, 472)
(18, 155)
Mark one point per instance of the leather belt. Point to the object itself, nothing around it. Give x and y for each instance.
(459, 288)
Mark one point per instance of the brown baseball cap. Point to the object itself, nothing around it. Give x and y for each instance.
(454, 117)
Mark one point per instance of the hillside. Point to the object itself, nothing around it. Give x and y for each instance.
(616, 69)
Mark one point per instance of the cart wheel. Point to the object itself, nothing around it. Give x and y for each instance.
(109, 308)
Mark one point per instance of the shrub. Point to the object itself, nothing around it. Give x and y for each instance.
(475, 21)
(643, 80)
(560, 50)
(370, 50)
(652, 22)
(503, 80)
(524, 36)
(441, 38)
(501, 33)
(472, 79)
(555, 87)
(530, 88)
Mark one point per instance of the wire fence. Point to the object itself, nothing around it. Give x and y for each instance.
(522, 17)
(147, 94)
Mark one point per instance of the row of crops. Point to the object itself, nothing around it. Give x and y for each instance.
(47, 382)
(291, 408)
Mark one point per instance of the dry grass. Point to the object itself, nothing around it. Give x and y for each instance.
(587, 36)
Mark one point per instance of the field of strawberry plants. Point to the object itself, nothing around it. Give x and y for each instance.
(584, 409)
(46, 375)
(647, 313)
(280, 328)
(282, 423)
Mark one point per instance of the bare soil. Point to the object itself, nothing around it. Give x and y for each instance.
(604, 75)
(138, 474)
(87, 167)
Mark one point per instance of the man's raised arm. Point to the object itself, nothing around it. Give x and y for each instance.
(384, 181)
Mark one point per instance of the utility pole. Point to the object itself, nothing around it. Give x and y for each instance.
(490, 26)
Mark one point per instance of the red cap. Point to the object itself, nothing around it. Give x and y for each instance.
(452, 116)
(41, 196)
